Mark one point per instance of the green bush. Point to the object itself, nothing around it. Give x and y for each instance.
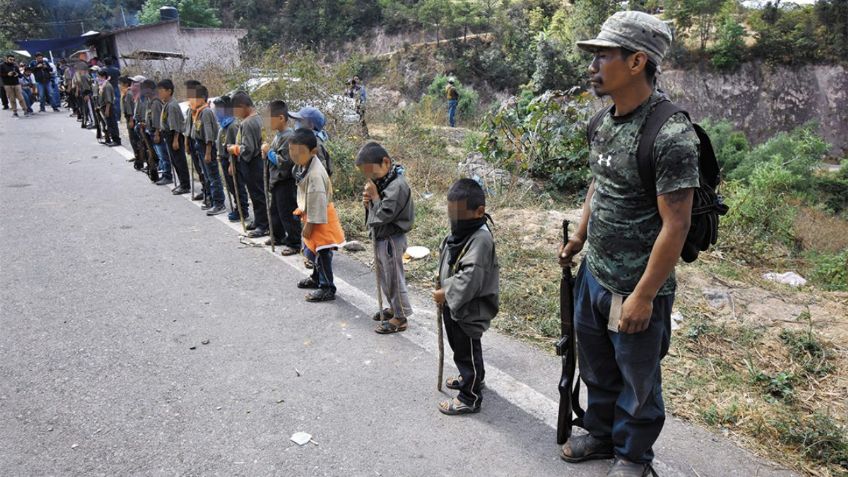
(546, 138)
(468, 98)
(829, 270)
(730, 145)
(798, 152)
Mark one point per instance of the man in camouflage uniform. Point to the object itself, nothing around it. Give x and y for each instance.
(625, 287)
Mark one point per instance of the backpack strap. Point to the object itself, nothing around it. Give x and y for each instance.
(657, 117)
(594, 123)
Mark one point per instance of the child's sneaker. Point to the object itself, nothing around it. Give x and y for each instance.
(307, 283)
(324, 294)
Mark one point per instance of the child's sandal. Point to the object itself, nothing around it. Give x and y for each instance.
(455, 407)
(384, 315)
(455, 382)
(387, 327)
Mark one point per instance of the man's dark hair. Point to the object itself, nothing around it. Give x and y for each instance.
(10, 56)
(166, 84)
(278, 108)
(650, 67)
(103, 73)
(39, 53)
(304, 137)
(242, 100)
(149, 84)
(469, 191)
(223, 102)
(371, 153)
(201, 92)
(125, 80)
(192, 84)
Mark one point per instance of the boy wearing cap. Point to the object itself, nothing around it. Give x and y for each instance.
(389, 214)
(153, 125)
(106, 103)
(248, 153)
(625, 287)
(312, 119)
(171, 132)
(286, 227)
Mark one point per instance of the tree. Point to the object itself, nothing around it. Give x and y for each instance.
(193, 13)
(699, 15)
(437, 13)
(729, 49)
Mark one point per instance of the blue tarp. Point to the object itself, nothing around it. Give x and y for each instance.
(54, 44)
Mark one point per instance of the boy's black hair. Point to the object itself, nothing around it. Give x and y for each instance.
(149, 84)
(469, 191)
(109, 61)
(201, 92)
(123, 79)
(192, 84)
(650, 67)
(102, 73)
(278, 108)
(371, 153)
(304, 137)
(166, 84)
(223, 102)
(242, 99)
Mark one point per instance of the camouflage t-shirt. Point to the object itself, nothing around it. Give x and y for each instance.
(624, 223)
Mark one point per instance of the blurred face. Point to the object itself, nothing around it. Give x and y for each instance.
(374, 172)
(164, 94)
(123, 87)
(278, 123)
(241, 112)
(303, 123)
(10, 59)
(458, 210)
(300, 154)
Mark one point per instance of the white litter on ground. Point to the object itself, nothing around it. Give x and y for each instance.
(788, 278)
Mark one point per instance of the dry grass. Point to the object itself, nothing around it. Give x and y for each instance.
(820, 231)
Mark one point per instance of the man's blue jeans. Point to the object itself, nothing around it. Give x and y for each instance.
(27, 98)
(621, 371)
(452, 103)
(45, 90)
(164, 163)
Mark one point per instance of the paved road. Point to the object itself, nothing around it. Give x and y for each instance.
(108, 287)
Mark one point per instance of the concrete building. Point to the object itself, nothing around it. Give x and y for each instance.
(166, 47)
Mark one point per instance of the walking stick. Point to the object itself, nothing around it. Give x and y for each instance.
(174, 175)
(267, 185)
(191, 153)
(439, 334)
(234, 163)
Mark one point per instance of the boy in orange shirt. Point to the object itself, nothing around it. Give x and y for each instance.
(322, 231)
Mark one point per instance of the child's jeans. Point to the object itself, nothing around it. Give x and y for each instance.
(468, 357)
(322, 271)
(389, 255)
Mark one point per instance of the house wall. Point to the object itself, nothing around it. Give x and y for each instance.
(202, 46)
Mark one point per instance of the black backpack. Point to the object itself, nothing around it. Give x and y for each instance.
(707, 204)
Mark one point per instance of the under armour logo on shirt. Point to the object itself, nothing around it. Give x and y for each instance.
(605, 161)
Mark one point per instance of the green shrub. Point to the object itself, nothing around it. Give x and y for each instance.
(730, 145)
(468, 98)
(546, 138)
(728, 52)
(829, 270)
(799, 152)
(819, 437)
(832, 190)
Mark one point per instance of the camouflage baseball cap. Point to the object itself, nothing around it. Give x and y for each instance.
(637, 31)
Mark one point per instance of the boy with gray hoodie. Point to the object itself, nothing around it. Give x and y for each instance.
(389, 216)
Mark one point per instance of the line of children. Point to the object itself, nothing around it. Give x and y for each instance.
(305, 220)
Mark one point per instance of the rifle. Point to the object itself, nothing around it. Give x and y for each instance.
(440, 337)
(152, 166)
(569, 388)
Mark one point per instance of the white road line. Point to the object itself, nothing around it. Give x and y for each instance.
(514, 391)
